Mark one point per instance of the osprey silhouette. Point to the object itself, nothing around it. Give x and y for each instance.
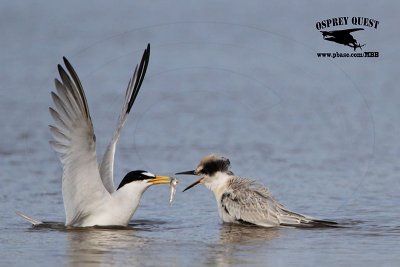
(343, 37)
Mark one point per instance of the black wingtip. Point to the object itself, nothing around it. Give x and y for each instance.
(60, 68)
(141, 69)
(73, 80)
(67, 64)
(63, 74)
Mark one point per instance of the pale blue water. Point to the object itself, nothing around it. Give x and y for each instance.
(240, 80)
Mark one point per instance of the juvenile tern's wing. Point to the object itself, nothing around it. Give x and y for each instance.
(252, 203)
(74, 140)
(107, 164)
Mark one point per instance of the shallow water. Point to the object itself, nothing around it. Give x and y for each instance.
(241, 81)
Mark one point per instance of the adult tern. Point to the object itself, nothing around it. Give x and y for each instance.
(90, 198)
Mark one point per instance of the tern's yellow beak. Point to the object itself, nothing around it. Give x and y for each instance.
(160, 180)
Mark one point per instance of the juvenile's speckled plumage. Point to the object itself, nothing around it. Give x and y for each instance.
(242, 200)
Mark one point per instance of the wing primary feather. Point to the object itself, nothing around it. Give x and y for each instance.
(78, 84)
(66, 96)
(139, 76)
(58, 134)
(72, 88)
(59, 148)
(61, 107)
(56, 117)
(127, 89)
(146, 56)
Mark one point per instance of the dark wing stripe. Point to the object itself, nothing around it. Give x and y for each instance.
(78, 85)
(146, 55)
(66, 80)
(139, 73)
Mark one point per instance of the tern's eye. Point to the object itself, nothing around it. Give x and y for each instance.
(203, 171)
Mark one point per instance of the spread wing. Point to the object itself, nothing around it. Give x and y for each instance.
(107, 164)
(74, 140)
(252, 203)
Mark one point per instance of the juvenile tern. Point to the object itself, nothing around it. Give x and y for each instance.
(90, 198)
(241, 200)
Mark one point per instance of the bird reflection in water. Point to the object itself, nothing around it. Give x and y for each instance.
(232, 246)
(103, 246)
(236, 233)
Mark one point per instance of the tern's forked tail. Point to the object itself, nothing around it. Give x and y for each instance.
(29, 219)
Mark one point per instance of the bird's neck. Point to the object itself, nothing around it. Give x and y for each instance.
(217, 183)
(126, 200)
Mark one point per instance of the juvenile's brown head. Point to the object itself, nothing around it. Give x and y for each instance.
(208, 167)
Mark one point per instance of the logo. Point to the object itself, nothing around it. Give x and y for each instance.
(343, 37)
(347, 31)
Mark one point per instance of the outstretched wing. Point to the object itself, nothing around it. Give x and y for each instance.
(249, 202)
(74, 140)
(107, 164)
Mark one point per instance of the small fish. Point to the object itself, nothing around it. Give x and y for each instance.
(172, 191)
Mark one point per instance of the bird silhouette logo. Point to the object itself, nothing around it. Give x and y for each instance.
(343, 37)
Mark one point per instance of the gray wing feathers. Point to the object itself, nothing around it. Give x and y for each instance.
(74, 140)
(107, 164)
(250, 202)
